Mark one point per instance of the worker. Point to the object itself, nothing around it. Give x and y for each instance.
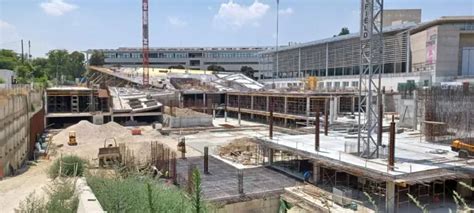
(307, 176)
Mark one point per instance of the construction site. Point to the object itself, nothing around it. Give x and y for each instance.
(258, 147)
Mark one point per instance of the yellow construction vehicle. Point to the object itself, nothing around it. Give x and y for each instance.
(465, 147)
(72, 138)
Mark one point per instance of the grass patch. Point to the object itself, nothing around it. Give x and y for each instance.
(140, 194)
(70, 166)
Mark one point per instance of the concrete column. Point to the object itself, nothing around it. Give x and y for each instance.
(338, 106)
(316, 173)
(204, 102)
(239, 118)
(308, 106)
(352, 105)
(213, 113)
(267, 107)
(332, 110)
(390, 197)
(251, 106)
(225, 107)
(270, 156)
(286, 105)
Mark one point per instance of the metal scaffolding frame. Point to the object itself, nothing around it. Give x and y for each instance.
(370, 75)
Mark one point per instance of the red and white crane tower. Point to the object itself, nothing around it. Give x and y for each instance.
(145, 50)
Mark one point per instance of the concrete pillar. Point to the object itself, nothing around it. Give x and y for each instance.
(267, 107)
(390, 197)
(204, 102)
(225, 107)
(251, 106)
(316, 173)
(239, 117)
(213, 113)
(352, 105)
(308, 106)
(331, 110)
(270, 156)
(338, 106)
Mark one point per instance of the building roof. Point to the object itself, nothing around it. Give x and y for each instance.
(441, 20)
(389, 29)
(243, 48)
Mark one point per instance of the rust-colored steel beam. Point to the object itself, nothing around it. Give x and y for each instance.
(316, 127)
(206, 160)
(326, 117)
(270, 121)
(391, 156)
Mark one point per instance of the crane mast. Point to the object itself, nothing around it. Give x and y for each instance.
(145, 42)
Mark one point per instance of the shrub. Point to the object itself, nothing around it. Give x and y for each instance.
(70, 166)
(139, 194)
(60, 198)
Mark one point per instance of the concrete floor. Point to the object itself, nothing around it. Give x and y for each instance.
(412, 153)
(222, 182)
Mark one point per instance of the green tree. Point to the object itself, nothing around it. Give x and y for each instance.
(197, 191)
(8, 59)
(76, 64)
(97, 58)
(248, 71)
(344, 31)
(215, 67)
(2, 81)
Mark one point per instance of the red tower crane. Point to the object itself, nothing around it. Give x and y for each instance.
(146, 63)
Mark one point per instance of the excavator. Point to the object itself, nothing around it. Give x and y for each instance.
(464, 147)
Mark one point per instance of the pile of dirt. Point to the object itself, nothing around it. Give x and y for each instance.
(241, 150)
(184, 112)
(91, 137)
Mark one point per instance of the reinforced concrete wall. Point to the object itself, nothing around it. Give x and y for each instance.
(264, 205)
(17, 107)
(185, 122)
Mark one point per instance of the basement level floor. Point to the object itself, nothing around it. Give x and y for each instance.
(412, 153)
(221, 184)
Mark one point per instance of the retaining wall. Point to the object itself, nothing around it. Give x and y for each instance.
(186, 122)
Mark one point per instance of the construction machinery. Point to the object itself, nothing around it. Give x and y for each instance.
(464, 147)
(109, 154)
(72, 139)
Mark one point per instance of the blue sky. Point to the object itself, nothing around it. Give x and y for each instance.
(86, 24)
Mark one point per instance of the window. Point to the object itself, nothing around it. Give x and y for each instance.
(355, 84)
(328, 84)
(337, 84)
(345, 84)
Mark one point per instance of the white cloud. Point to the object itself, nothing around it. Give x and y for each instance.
(57, 7)
(176, 21)
(8, 33)
(287, 11)
(237, 15)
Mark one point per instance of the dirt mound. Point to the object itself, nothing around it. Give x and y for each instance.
(241, 150)
(91, 137)
(184, 112)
